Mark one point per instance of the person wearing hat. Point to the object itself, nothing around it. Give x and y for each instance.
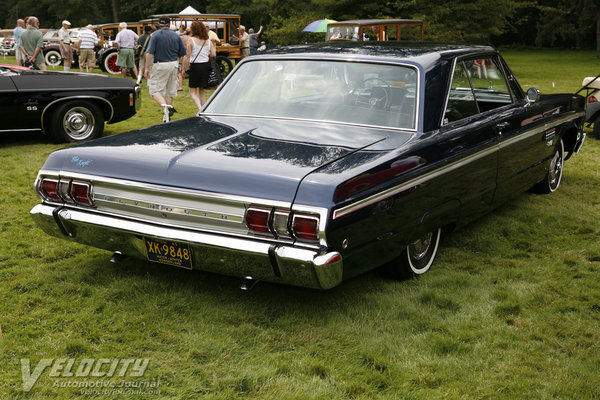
(64, 40)
(164, 58)
(244, 41)
(85, 48)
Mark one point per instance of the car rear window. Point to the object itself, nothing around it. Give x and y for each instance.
(347, 92)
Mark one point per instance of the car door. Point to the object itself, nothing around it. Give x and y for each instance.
(8, 106)
(523, 143)
(468, 141)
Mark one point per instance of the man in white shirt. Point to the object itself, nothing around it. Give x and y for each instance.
(126, 41)
(64, 40)
(87, 41)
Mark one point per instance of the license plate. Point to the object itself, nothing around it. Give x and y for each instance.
(170, 253)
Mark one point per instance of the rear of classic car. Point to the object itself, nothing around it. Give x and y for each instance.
(189, 229)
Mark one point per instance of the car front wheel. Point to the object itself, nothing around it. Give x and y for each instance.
(53, 58)
(77, 121)
(555, 170)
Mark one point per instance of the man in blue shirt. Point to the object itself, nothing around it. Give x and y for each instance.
(164, 57)
(17, 32)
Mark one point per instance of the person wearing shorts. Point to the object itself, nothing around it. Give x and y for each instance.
(87, 41)
(164, 57)
(64, 40)
(126, 41)
(20, 28)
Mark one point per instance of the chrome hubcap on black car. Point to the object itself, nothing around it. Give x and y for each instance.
(79, 123)
(417, 250)
(555, 170)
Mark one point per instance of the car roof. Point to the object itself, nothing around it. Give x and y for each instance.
(423, 53)
(376, 21)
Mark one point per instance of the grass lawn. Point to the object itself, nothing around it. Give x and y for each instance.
(510, 310)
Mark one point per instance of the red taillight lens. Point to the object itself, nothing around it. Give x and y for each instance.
(305, 227)
(592, 99)
(48, 188)
(257, 219)
(65, 190)
(81, 192)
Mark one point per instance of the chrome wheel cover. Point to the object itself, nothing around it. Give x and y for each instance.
(79, 123)
(555, 171)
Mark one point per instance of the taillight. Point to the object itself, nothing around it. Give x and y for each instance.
(592, 99)
(257, 219)
(65, 191)
(48, 189)
(305, 227)
(81, 192)
(276, 222)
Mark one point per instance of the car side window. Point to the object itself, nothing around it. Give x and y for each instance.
(488, 84)
(461, 101)
(478, 85)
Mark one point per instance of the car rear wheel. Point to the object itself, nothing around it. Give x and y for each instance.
(77, 121)
(53, 58)
(110, 63)
(417, 257)
(555, 170)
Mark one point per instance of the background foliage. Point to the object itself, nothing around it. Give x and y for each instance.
(540, 23)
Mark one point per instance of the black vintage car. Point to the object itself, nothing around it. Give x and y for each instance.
(313, 164)
(69, 106)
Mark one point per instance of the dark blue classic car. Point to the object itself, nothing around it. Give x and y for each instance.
(313, 164)
(72, 107)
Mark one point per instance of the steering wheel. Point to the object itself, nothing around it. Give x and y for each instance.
(375, 98)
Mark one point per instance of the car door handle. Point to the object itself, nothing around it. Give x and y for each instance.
(502, 125)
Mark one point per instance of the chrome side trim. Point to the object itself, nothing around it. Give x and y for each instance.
(340, 212)
(21, 130)
(309, 120)
(112, 110)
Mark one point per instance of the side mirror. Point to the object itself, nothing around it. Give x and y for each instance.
(533, 95)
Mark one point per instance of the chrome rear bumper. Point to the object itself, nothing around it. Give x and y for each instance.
(211, 252)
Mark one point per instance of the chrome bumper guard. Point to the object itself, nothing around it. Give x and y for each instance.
(214, 253)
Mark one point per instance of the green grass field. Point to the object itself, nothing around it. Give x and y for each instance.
(510, 310)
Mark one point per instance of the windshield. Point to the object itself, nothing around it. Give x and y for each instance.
(346, 92)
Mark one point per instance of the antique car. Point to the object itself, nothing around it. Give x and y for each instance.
(69, 106)
(8, 45)
(375, 29)
(226, 26)
(52, 47)
(313, 164)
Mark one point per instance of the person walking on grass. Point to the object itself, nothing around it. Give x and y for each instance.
(164, 57)
(126, 41)
(201, 51)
